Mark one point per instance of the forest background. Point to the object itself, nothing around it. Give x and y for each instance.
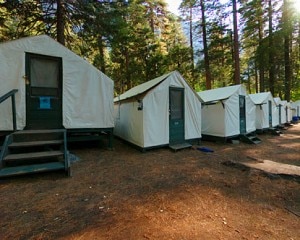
(212, 43)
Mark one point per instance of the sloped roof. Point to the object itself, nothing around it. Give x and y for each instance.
(142, 88)
(260, 98)
(218, 94)
(277, 100)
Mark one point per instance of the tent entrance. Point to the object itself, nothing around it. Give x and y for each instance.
(270, 114)
(43, 92)
(280, 109)
(176, 116)
(242, 103)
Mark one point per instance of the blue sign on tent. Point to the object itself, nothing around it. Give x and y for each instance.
(45, 102)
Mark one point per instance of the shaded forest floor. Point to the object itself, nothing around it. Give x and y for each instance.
(126, 194)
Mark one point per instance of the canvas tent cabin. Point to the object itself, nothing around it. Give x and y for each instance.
(266, 110)
(227, 112)
(55, 88)
(295, 109)
(282, 110)
(163, 111)
(286, 113)
(289, 112)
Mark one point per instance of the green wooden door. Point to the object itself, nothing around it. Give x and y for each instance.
(242, 101)
(176, 117)
(280, 113)
(270, 114)
(43, 92)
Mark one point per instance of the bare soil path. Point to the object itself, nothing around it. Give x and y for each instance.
(126, 194)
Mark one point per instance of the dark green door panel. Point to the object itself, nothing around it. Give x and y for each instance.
(176, 118)
(242, 101)
(280, 122)
(43, 92)
(270, 114)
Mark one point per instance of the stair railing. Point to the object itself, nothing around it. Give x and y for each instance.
(13, 105)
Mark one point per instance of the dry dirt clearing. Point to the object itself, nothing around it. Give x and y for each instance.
(126, 194)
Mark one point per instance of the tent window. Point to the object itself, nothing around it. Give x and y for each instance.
(44, 74)
(176, 104)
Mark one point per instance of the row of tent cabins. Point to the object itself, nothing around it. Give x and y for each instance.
(58, 97)
(167, 111)
(52, 87)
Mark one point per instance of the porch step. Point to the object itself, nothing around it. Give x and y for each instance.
(179, 146)
(32, 155)
(250, 138)
(34, 151)
(38, 135)
(34, 143)
(275, 131)
(281, 127)
(34, 168)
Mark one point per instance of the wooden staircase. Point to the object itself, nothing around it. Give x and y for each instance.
(274, 131)
(32, 151)
(250, 138)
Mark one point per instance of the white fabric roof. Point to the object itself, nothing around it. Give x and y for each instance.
(218, 94)
(141, 88)
(260, 98)
(277, 100)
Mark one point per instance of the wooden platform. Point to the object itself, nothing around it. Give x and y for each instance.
(179, 146)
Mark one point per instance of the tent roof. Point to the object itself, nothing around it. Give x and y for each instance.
(218, 94)
(277, 100)
(142, 88)
(260, 98)
(22, 43)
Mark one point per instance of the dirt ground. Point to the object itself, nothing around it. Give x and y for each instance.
(160, 194)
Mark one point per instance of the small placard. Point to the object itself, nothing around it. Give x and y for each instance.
(45, 102)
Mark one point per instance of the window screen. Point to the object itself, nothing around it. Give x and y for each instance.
(44, 73)
(176, 104)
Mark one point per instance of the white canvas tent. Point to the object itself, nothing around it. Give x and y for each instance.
(282, 110)
(85, 94)
(266, 110)
(289, 112)
(221, 115)
(147, 115)
(295, 107)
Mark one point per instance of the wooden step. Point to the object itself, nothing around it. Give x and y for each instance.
(35, 143)
(33, 155)
(39, 131)
(34, 168)
(179, 146)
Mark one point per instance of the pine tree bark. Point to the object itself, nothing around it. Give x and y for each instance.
(205, 47)
(287, 47)
(60, 18)
(191, 41)
(237, 70)
(271, 50)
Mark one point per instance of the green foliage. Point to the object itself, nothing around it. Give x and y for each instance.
(137, 40)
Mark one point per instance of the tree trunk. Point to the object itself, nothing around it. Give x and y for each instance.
(206, 57)
(60, 24)
(271, 50)
(237, 79)
(101, 53)
(191, 42)
(287, 47)
(261, 66)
